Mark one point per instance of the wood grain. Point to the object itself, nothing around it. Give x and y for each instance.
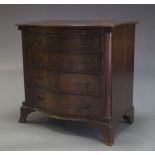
(77, 23)
(80, 70)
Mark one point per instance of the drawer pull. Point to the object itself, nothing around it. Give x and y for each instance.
(53, 39)
(84, 43)
(36, 58)
(84, 32)
(83, 84)
(40, 77)
(35, 44)
(85, 106)
(41, 97)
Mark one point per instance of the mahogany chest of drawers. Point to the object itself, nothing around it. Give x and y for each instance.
(79, 70)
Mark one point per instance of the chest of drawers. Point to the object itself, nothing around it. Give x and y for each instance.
(79, 70)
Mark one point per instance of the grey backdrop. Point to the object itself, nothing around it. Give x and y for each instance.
(42, 133)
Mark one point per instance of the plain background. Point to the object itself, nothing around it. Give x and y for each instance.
(42, 133)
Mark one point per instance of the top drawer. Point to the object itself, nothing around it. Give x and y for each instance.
(78, 40)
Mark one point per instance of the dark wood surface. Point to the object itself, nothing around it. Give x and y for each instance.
(59, 103)
(75, 40)
(80, 73)
(74, 83)
(123, 68)
(77, 23)
(66, 62)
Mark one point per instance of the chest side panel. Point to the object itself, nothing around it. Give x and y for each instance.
(122, 68)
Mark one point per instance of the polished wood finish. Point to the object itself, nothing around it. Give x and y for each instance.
(80, 70)
(25, 111)
(64, 82)
(122, 66)
(74, 40)
(60, 103)
(77, 23)
(69, 62)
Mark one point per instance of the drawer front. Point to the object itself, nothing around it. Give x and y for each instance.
(66, 62)
(74, 42)
(63, 104)
(64, 82)
(36, 41)
(64, 41)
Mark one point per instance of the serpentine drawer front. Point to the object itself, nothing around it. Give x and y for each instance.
(79, 70)
(64, 82)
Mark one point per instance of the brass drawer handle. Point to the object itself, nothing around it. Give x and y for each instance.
(84, 43)
(53, 39)
(85, 106)
(84, 32)
(53, 43)
(37, 58)
(84, 84)
(41, 97)
(35, 44)
(40, 77)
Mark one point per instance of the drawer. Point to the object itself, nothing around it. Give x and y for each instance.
(73, 42)
(63, 82)
(63, 104)
(64, 41)
(36, 41)
(66, 62)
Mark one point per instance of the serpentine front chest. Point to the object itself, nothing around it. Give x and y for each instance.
(79, 70)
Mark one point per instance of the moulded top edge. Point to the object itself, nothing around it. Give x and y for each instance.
(76, 23)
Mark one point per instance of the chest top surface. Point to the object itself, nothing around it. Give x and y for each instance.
(76, 23)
